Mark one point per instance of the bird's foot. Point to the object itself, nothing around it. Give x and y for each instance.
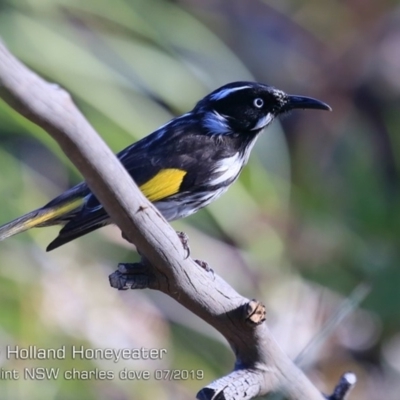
(205, 265)
(184, 238)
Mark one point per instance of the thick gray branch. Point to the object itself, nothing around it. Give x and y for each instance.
(262, 366)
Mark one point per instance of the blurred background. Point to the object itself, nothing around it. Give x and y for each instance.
(311, 228)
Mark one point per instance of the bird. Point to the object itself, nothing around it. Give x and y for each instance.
(182, 166)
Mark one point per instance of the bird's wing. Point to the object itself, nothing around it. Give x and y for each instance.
(161, 165)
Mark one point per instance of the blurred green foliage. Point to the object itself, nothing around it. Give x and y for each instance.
(316, 210)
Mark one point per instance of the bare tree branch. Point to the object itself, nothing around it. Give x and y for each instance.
(261, 367)
(344, 386)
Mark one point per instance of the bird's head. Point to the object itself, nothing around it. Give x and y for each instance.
(249, 107)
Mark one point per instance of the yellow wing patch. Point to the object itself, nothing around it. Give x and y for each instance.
(166, 183)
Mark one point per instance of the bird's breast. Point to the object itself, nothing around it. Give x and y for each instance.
(227, 170)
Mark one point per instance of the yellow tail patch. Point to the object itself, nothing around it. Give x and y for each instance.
(37, 218)
(166, 183)
(53, 213)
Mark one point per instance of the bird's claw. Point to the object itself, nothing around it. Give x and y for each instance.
(184, 238)
(204, 264)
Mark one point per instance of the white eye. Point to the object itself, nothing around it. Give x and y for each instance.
(258, 102)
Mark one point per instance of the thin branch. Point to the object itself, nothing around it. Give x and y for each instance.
(261, 367)
(306, 356)
(343, 388)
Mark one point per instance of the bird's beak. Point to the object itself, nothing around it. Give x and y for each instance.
(304, 102)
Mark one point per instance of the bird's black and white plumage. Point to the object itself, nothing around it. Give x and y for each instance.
(182, 166)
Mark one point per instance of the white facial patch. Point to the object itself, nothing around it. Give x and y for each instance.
(225, 92)
(280, 96)
(216, 123)
(263, 122)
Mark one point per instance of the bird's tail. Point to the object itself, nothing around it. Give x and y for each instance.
(41, 217)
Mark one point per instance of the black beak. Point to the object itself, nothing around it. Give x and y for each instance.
(304, 102)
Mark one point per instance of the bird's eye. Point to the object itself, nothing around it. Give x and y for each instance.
(258, 102)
